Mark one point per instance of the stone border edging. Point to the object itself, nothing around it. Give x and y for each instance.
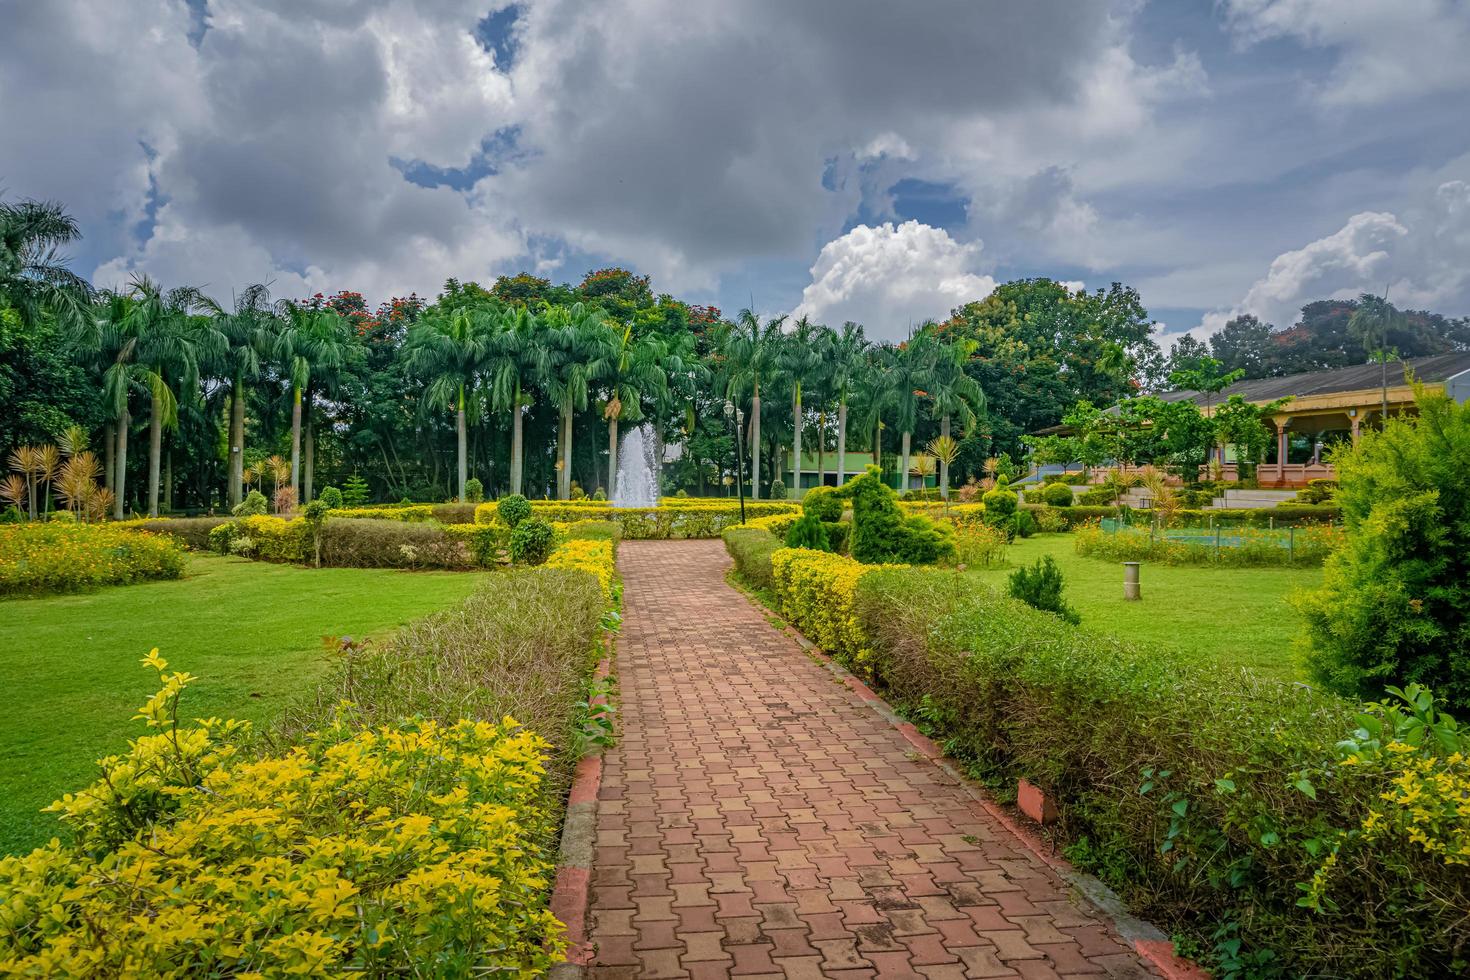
(570, 895)
(1146, 939)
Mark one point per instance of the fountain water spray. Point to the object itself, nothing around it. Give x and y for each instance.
(638, 468)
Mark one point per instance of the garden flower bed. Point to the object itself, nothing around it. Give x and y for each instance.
(56, 556)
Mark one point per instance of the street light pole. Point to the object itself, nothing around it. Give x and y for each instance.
(731, 412)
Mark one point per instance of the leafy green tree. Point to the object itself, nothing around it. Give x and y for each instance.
(449, 349)
(751, 351)
(580, 347)
(951, 391)
(637, 372)
(35, 282)
(1243, 344)
(1394, 606)
(518, 356)
(847, 355)
(312, 340)
(248, 332)
(798, 358)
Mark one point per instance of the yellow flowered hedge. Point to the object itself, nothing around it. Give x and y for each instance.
(414, 849)
(777, 524)
(590, 555)
(815, 590)
(40, 558)
(673, 518)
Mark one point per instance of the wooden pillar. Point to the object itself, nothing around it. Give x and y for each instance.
(1357, 423)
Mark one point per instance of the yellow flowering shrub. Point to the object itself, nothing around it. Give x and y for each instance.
(960, 515)
(416, 513)
(815, 590)
(777, 524)
(590, 555)
(40, 558)
(675, 517)
(410, 849)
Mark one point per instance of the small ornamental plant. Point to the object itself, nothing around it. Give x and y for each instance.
(513, 509)
(531, 542)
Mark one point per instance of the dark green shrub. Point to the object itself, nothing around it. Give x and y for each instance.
(1097, 496)
(1317, 492)
(474, 491)
(751, 549)
(191, 532)
(531, 542)
(1023, 524)
(824, 502)
(513, 509)
(1041, 587)
(778, 490)
(1057, 495)
(881, 533)
(454, 513)
(1394, 606)
(808, 532)
(837, 535)
(355, 491)
(254, 503)
(1000, 502)
(331, 496)
(599, 494)
(369, 543)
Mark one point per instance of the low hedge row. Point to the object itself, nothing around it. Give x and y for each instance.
(191, 532)
(1287, 515)
(815, 590)
(40, 558)
(1240, 545)
(673, 518)
(1246, 814)
(751, 548)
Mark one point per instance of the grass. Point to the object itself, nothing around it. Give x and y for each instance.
(1240, 615)
(251, 631)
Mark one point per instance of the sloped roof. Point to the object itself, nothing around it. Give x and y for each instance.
(1359, 377)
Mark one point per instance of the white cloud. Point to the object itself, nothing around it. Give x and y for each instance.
(891, 278)
(1386, 49)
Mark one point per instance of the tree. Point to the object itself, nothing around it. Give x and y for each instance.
(248, 332)
(312, 339)
(847, 356)
(1394, 606)
(1204, 375)
(1371, 323)
(637, 371)
(517, 356)
(1243, 344)
(798, 356)
(908, 371)
(951, 392)
(449, 349)
(1241, 424)
(34, 279)
(750, 351)
(580, 349)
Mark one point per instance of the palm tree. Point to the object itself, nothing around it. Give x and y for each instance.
(450, 350)
(579, 350)
(311, 340)
(798, 357)
(639, 370)
(951, 391)
(517, 356)
(750, 359)
(847, 358)
(34, 279)
(248, 333)
(908, 372)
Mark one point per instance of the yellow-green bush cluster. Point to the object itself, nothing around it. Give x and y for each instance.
(1239, 545)
(673, 518)
(590, 555)
(776, 524)
(41, 558)
(413, 848)
(960, 515)
(814, 589)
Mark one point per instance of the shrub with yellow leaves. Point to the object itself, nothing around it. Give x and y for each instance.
(590, 555)
(815, 590)
(415, 848)
(40, 558)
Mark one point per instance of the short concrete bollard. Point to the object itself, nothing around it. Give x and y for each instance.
(1130, 581)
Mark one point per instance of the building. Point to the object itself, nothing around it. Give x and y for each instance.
(1327, 407)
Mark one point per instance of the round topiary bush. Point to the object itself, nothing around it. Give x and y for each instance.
(808, 532)
(513, 509)
(331, 496)
(531, 541)
(254, 503)
(778, 490)
(474, 491)
(1000, 502)
(824, 503)
(1057, 495)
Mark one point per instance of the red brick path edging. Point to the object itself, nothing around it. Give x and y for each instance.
(753, 820)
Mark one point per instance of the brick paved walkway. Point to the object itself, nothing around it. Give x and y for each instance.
(756, 818)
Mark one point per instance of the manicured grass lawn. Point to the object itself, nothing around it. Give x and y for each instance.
(1239, 615)
(250, 631)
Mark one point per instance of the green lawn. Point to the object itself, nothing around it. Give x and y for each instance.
(251, 632)
(1236, 614)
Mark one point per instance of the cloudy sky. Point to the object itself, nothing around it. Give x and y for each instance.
(850, 159)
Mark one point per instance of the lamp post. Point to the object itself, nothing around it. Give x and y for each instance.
(736, 415)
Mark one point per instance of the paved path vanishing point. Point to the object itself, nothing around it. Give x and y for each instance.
(757, 818)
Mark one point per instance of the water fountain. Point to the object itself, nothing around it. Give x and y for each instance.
(638, 468)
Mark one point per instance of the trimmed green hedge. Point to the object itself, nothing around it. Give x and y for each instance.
(1287, 515)
(752, 549)
(674, 518)
(191, 532)
(1216, 801)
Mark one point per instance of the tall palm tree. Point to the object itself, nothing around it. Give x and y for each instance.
(580, 348)
(847, 357)
(34, 279)
(638, 371)
(450, 349)
(312, 339)
(908, 372)
(248, 331)
(518, 356)
(750, 351)
(798, 357)
(951, 390)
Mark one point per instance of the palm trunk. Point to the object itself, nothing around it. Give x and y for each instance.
(155, 452)
(794, 491)
(109, 455)
(460, 435)
(564, 478)
(122, 466)
(944, 463)
(903, 473)
(237, 442)
(822, 448)
(308, 451)
(842, 440)
(515, 441)
(612, 458)
(295, 438)
(168, 480)
(755, 444)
